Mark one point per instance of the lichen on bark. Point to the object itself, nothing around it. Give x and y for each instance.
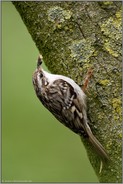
(72, 37)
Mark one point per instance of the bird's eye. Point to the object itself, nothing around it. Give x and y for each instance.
(41, 75)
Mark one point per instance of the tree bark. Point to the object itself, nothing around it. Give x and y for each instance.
(72, 37)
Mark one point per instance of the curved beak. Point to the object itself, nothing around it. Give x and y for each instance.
(39, 61)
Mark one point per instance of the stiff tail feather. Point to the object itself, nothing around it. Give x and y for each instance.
(96, 144)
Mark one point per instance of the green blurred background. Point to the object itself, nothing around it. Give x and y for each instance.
(35, 146)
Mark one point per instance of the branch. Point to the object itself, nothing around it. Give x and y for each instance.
(72, 37)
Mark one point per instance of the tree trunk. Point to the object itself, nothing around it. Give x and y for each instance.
(72, 37)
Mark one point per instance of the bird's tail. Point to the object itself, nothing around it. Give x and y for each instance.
(96, 144)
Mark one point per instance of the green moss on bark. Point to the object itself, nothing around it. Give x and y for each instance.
(72, 36)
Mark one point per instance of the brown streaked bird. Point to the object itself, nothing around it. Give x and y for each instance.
(67, 102)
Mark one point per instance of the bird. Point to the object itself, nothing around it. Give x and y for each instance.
(65, 99)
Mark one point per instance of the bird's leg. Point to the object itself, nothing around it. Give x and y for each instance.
(87, 78)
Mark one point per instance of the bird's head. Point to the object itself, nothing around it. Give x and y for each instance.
(39, 77)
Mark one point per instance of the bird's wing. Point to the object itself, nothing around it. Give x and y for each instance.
(64, 104)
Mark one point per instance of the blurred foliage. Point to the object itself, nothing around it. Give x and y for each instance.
(35, 147)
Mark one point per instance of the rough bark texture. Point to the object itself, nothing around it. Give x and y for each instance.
(72, 37)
